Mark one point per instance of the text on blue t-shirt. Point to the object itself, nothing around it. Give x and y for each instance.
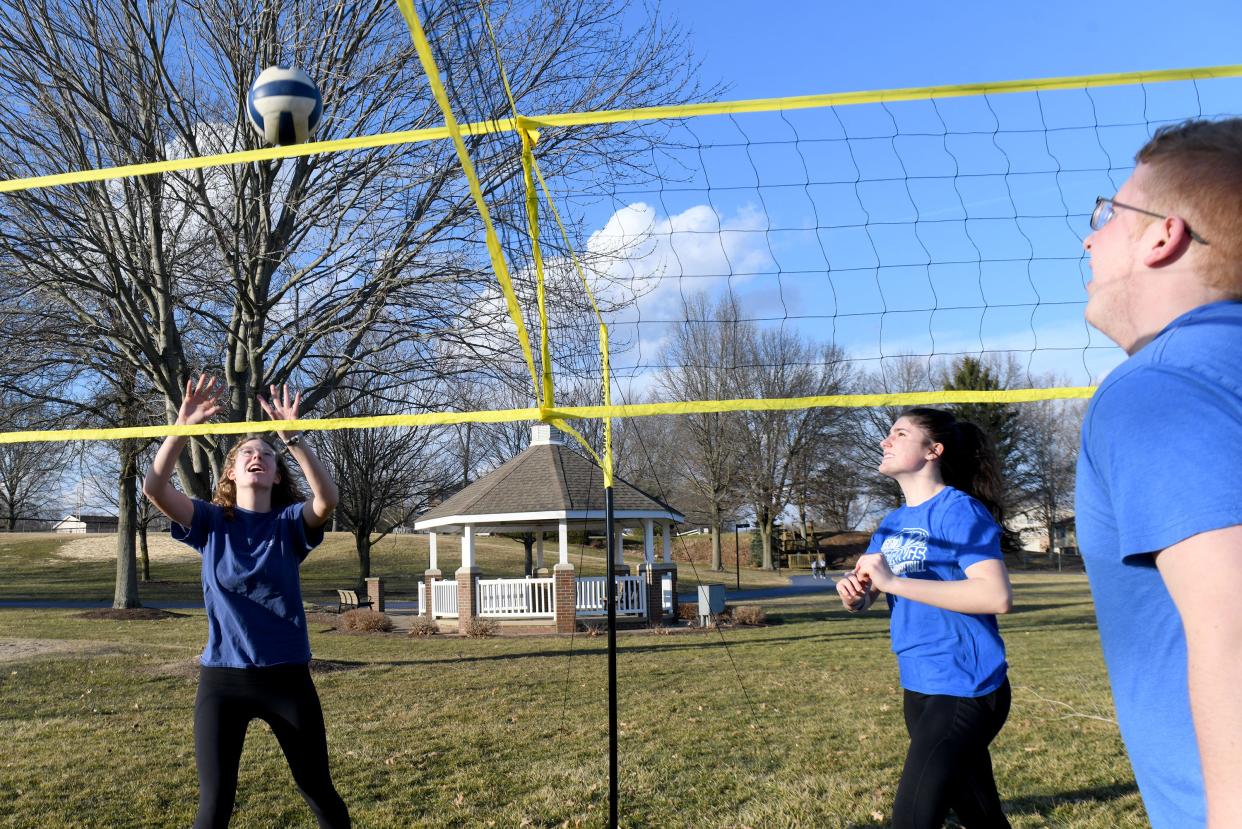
(941, 651)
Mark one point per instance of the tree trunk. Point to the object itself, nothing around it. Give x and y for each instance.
(144, 553)
(765, 535)
(528, 541)
(362, 541)
(126, 591)
(717, 563)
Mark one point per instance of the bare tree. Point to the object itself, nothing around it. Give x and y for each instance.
(1051, 429)
(827, 488)
(105, 481)
(704, 361)
(385, 475)
(301, 269)
(784, 364)
(88, 380)
(31, 474)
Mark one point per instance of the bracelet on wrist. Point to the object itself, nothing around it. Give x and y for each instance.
(293, 441)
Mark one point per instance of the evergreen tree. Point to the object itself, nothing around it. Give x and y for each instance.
(1001, 421)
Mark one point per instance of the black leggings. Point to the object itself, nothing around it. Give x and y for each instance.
(948, 765)
(284, 697)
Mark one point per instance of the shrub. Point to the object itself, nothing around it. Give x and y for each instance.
(749, 614)
(478, 627)
(688, 611)
(365, 621)
(424, 626)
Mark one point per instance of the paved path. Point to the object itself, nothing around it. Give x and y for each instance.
(798, 586)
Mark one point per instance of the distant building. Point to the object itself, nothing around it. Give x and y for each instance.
(1032, 532)
(1065, 537)
(81, 524)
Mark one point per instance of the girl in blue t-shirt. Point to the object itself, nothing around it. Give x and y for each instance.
(253, 537)
(938, 560)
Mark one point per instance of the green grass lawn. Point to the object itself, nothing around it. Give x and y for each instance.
(793, 724)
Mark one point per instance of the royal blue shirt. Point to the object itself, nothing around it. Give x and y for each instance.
(941, 651)
(251, 587)
(1161, 461)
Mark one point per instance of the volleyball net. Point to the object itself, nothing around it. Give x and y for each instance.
(852, 233)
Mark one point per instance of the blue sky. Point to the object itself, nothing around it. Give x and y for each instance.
(801, 48)
(922, 228)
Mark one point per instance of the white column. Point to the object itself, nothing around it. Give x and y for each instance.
(667, 535)
(648, 540)
(467, 546)
(564, 541)
(618, 549)
(539, 550)
(432, 564)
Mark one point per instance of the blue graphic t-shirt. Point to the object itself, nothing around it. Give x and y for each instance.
(1159, 463)
(942, 651)
(251, 587)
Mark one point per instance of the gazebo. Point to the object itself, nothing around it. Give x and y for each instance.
(549, 490)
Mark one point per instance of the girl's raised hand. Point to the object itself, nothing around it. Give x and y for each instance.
(280, 407)
(201, 401)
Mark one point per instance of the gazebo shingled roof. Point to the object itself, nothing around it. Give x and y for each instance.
(546, 477)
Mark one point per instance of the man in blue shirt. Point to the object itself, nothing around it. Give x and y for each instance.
(1159, 500)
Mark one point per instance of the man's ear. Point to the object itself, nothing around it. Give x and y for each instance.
(1169, 244)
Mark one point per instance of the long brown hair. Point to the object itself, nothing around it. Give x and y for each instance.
(284, 492)
(969, 461)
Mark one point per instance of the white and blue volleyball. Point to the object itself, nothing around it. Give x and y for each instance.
(284, 105)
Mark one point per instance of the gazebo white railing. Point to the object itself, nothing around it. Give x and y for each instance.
(536, 598)
(592, 592)
(517, 598)
(445, 593)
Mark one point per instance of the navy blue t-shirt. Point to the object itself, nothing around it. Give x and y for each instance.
(942, 651)
(1160, 461)
(251, 587)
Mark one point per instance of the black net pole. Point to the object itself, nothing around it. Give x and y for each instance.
(611, 599)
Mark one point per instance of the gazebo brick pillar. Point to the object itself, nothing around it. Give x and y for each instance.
(565, 582)
(653, 580)
(429, 578)
(375, 593)
(467, 593)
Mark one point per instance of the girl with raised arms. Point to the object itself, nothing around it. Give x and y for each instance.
(939, 562)
(253, 537)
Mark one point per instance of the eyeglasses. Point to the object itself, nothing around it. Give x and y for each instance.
(1105, 209)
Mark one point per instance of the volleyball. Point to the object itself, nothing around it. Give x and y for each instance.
(284, 105)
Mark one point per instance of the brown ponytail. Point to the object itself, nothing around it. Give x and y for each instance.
(969, 461)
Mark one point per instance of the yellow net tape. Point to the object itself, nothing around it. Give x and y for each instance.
(612, 116)
(530, 167)
(559, 416)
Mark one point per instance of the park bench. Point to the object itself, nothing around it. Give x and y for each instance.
(348, 600)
